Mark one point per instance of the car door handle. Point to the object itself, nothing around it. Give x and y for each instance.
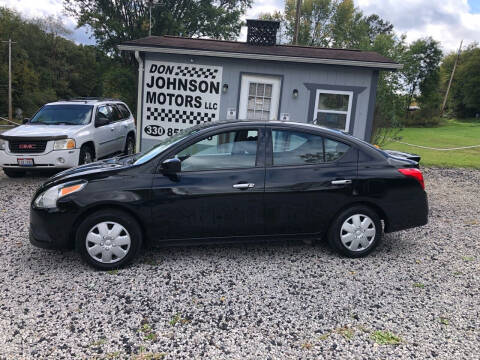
(243, 186)
(341, 182)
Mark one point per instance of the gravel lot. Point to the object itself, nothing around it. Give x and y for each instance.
(283, 300)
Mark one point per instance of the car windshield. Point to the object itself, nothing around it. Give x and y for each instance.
(63, 115)
(165, 144)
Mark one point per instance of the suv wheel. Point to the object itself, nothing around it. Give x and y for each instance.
(86, 155)
(109, 239)
(13, 173)
(130, 145)
(355, 232)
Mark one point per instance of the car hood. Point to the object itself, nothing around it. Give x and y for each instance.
(96, 169)
(43, 131)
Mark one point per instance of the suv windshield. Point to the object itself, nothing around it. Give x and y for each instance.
(164, 144)
(63, 114)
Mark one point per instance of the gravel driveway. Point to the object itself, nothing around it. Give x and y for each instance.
(416, 296)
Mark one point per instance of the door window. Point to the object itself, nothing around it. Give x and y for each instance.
(228, 150)
(334, 150)
(298, 148)
(332, 109)
(104, 112)
(259, 101)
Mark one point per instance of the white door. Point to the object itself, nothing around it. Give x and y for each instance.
(259, 97)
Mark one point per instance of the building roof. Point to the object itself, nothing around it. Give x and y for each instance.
(237, 49)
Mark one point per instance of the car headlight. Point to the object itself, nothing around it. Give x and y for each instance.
(3, 144)
(64, 144)
(48, 198)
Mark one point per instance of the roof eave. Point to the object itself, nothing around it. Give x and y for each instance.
(253, 56)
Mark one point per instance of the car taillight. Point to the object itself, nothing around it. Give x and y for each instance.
(415, 173)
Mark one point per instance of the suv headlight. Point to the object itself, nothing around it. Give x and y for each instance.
(3, 144)
(48, 198)
(64, 144)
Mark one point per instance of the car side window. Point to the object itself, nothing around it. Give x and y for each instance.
(103, 112)
(125, 114)
(334, 150)
(115, 114)
(227, 150)
(296, 148)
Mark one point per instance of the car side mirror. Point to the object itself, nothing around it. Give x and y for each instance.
(101, 120)
(171, 166)
(26, 120)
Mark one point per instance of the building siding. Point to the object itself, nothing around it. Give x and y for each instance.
(294, 76)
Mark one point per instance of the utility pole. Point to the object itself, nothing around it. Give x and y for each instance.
(297, 21)
(151, 3)
(451, 78)
(10, 111)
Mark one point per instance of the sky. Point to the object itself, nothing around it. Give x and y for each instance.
(448, 21)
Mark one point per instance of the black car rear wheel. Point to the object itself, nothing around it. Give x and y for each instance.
(355, 232)
(109, 239)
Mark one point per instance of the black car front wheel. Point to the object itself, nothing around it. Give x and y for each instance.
(356, 231)
(109, 239)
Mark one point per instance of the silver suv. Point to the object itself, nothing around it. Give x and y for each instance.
(65, 134)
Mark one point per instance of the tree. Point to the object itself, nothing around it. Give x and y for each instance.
(116, 21)
(421, 72)
(48, 67)
(464, 97)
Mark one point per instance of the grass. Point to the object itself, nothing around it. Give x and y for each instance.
(385, 338)
(453, 133)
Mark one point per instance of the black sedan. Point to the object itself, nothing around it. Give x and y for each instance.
(229, 181)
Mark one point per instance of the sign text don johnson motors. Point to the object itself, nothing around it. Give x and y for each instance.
(177, 96)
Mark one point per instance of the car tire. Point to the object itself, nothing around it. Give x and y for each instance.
(13, 173)
(130, 145)
(86, 155)
(108, 239)
(355, 232)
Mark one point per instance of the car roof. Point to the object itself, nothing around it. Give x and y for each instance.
(86, 101)
(293, 124)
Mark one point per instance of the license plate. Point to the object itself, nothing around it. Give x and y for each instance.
(25, 161)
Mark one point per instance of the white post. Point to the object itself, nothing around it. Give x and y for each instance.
(139, 100)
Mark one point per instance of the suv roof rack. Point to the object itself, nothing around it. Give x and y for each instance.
(87, 99)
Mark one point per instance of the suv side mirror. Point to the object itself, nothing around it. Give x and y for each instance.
(171, 166)
(101, 120)
(26, 120)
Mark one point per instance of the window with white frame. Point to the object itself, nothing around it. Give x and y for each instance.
(333, 108)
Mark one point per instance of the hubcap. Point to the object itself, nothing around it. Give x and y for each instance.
(357, 232)
(108, 242)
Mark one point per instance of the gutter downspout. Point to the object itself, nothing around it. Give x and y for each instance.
(139, 99)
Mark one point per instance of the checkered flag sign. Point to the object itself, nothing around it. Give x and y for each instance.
(177, 96)
(179, 116)
(196, 72)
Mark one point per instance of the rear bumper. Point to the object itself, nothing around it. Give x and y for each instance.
(407, 214)
(49, 160)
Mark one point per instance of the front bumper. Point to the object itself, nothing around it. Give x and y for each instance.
(50, 160)
(52, 228)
